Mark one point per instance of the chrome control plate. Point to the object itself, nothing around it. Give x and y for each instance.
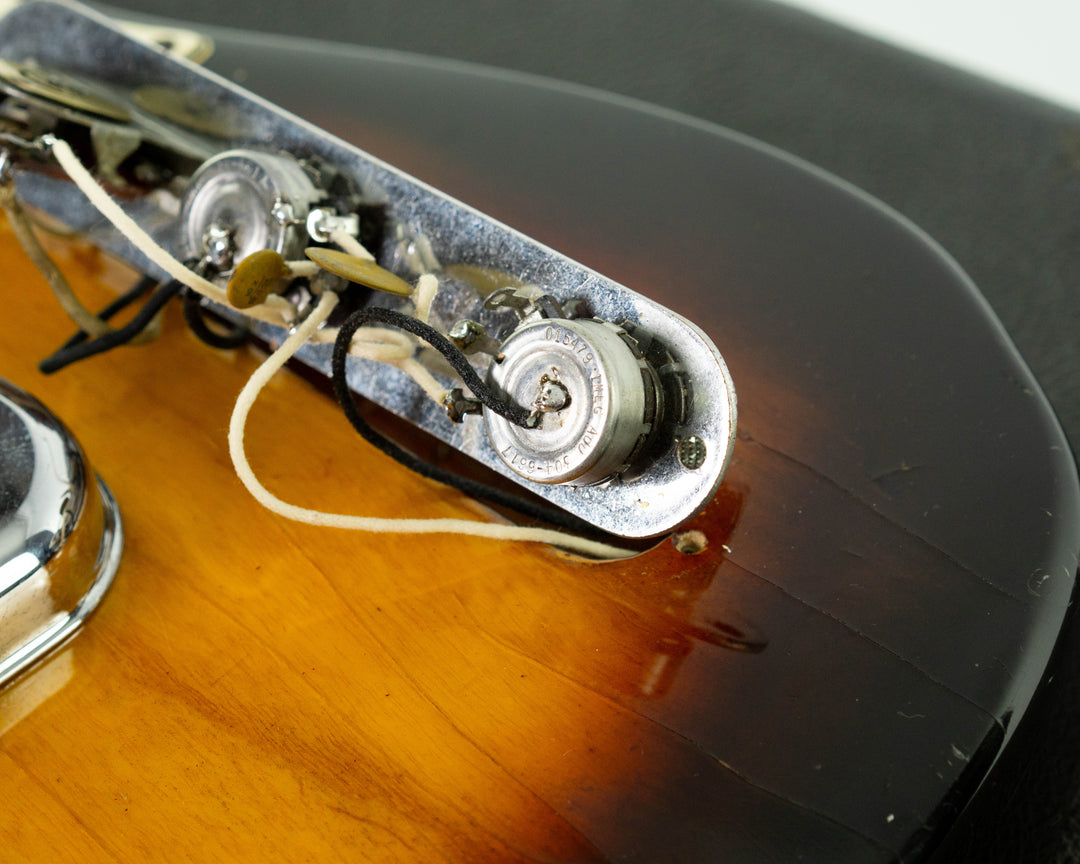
(429, 230)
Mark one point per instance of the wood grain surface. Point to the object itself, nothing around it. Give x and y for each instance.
(256, 688)
(887, 564)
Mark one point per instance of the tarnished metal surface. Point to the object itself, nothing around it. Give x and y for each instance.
(427, 226)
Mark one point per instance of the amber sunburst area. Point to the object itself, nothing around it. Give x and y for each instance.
(277, 689)
(827, 673)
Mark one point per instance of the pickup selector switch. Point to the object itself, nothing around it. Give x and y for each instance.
(593, 397)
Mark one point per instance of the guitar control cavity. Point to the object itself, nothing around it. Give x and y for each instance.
(594, 401)
(628, 425)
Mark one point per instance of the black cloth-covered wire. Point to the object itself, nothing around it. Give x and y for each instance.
(514, 413)
(193, 315)
(122, 302)
(82, 349)
(473, 488)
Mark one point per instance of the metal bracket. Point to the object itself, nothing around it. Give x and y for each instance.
(662, 494)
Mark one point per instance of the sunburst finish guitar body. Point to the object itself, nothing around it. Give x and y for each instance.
(826, 671)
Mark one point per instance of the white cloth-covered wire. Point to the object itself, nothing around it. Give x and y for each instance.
(426, 288)
(302, 268)
(349, 244)
(237, 422)
(276, 310)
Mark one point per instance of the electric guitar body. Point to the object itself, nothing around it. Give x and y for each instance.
(826, 671)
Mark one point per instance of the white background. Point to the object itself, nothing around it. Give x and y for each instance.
(1033, 45)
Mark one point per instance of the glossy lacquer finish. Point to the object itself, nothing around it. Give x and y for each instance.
(889, 557)
(60, 535)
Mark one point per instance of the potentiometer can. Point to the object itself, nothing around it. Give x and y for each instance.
(243, 201)
(593, 397)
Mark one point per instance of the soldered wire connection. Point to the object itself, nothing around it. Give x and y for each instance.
(382, 344)
(275, 310)
(238, 421)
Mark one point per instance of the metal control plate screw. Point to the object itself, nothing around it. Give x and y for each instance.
(691, 452)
